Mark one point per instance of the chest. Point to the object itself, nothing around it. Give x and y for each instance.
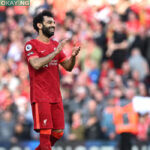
(44, 50)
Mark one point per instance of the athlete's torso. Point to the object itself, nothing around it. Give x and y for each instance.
(44, 83)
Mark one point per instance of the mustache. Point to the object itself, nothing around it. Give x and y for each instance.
(51, 27)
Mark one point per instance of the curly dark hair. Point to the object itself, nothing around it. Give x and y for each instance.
(39, 18)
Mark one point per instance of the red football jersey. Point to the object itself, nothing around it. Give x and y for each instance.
(45, 82)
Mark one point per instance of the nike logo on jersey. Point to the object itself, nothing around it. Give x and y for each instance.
(45, 66)
(43, 51)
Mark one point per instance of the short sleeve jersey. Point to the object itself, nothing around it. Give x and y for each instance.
(44, 82)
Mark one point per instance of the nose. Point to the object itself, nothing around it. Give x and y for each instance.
(53, 24)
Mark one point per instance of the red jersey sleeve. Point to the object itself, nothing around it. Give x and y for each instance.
(62, 57)
(30, 51)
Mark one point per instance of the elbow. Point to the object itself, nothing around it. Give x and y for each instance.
(35, 63)
(69, 69)
(36, 66)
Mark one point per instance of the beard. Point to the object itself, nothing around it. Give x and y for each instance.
(46, 31)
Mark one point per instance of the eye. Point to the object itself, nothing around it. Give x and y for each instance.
(50, 22)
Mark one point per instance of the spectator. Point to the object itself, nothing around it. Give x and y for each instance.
(79, 101)
(100, 100)
(66, 102)
(142, 89)
(126, 120)
(107, 122)
(77, 128)
(143, 127)
(138, 63)
(117, 46)
(14, 51)
(92, 128)
(100, 37)
(126, 72)
(22, 129)
(7, 124)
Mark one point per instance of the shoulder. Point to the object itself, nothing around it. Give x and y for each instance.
(29, 45)
(32, 42)
(55, 42)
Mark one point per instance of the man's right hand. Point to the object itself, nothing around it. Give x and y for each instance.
(61, 45)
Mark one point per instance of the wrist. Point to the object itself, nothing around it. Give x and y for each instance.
(73, 56)
(56, 52)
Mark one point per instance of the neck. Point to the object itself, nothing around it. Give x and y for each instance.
(43, 38)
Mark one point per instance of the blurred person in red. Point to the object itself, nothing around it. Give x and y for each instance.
(133, 23)
(105, 86)
(43, 56)
(10, 18)
(2, 14)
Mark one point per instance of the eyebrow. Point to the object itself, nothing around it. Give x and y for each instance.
(50, 21)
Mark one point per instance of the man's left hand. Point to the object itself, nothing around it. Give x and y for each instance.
(75, 51)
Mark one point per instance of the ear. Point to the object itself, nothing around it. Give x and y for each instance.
(39, 25)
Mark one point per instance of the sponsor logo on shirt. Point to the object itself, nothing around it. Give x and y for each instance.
(30, 53)
(52, 63)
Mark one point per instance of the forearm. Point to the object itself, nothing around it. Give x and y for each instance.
(37, 63)
(69, 64)
(122, 45)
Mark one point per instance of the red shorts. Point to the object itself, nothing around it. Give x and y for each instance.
(48, 116)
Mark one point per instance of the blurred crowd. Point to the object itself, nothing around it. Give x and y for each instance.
(112, 68)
